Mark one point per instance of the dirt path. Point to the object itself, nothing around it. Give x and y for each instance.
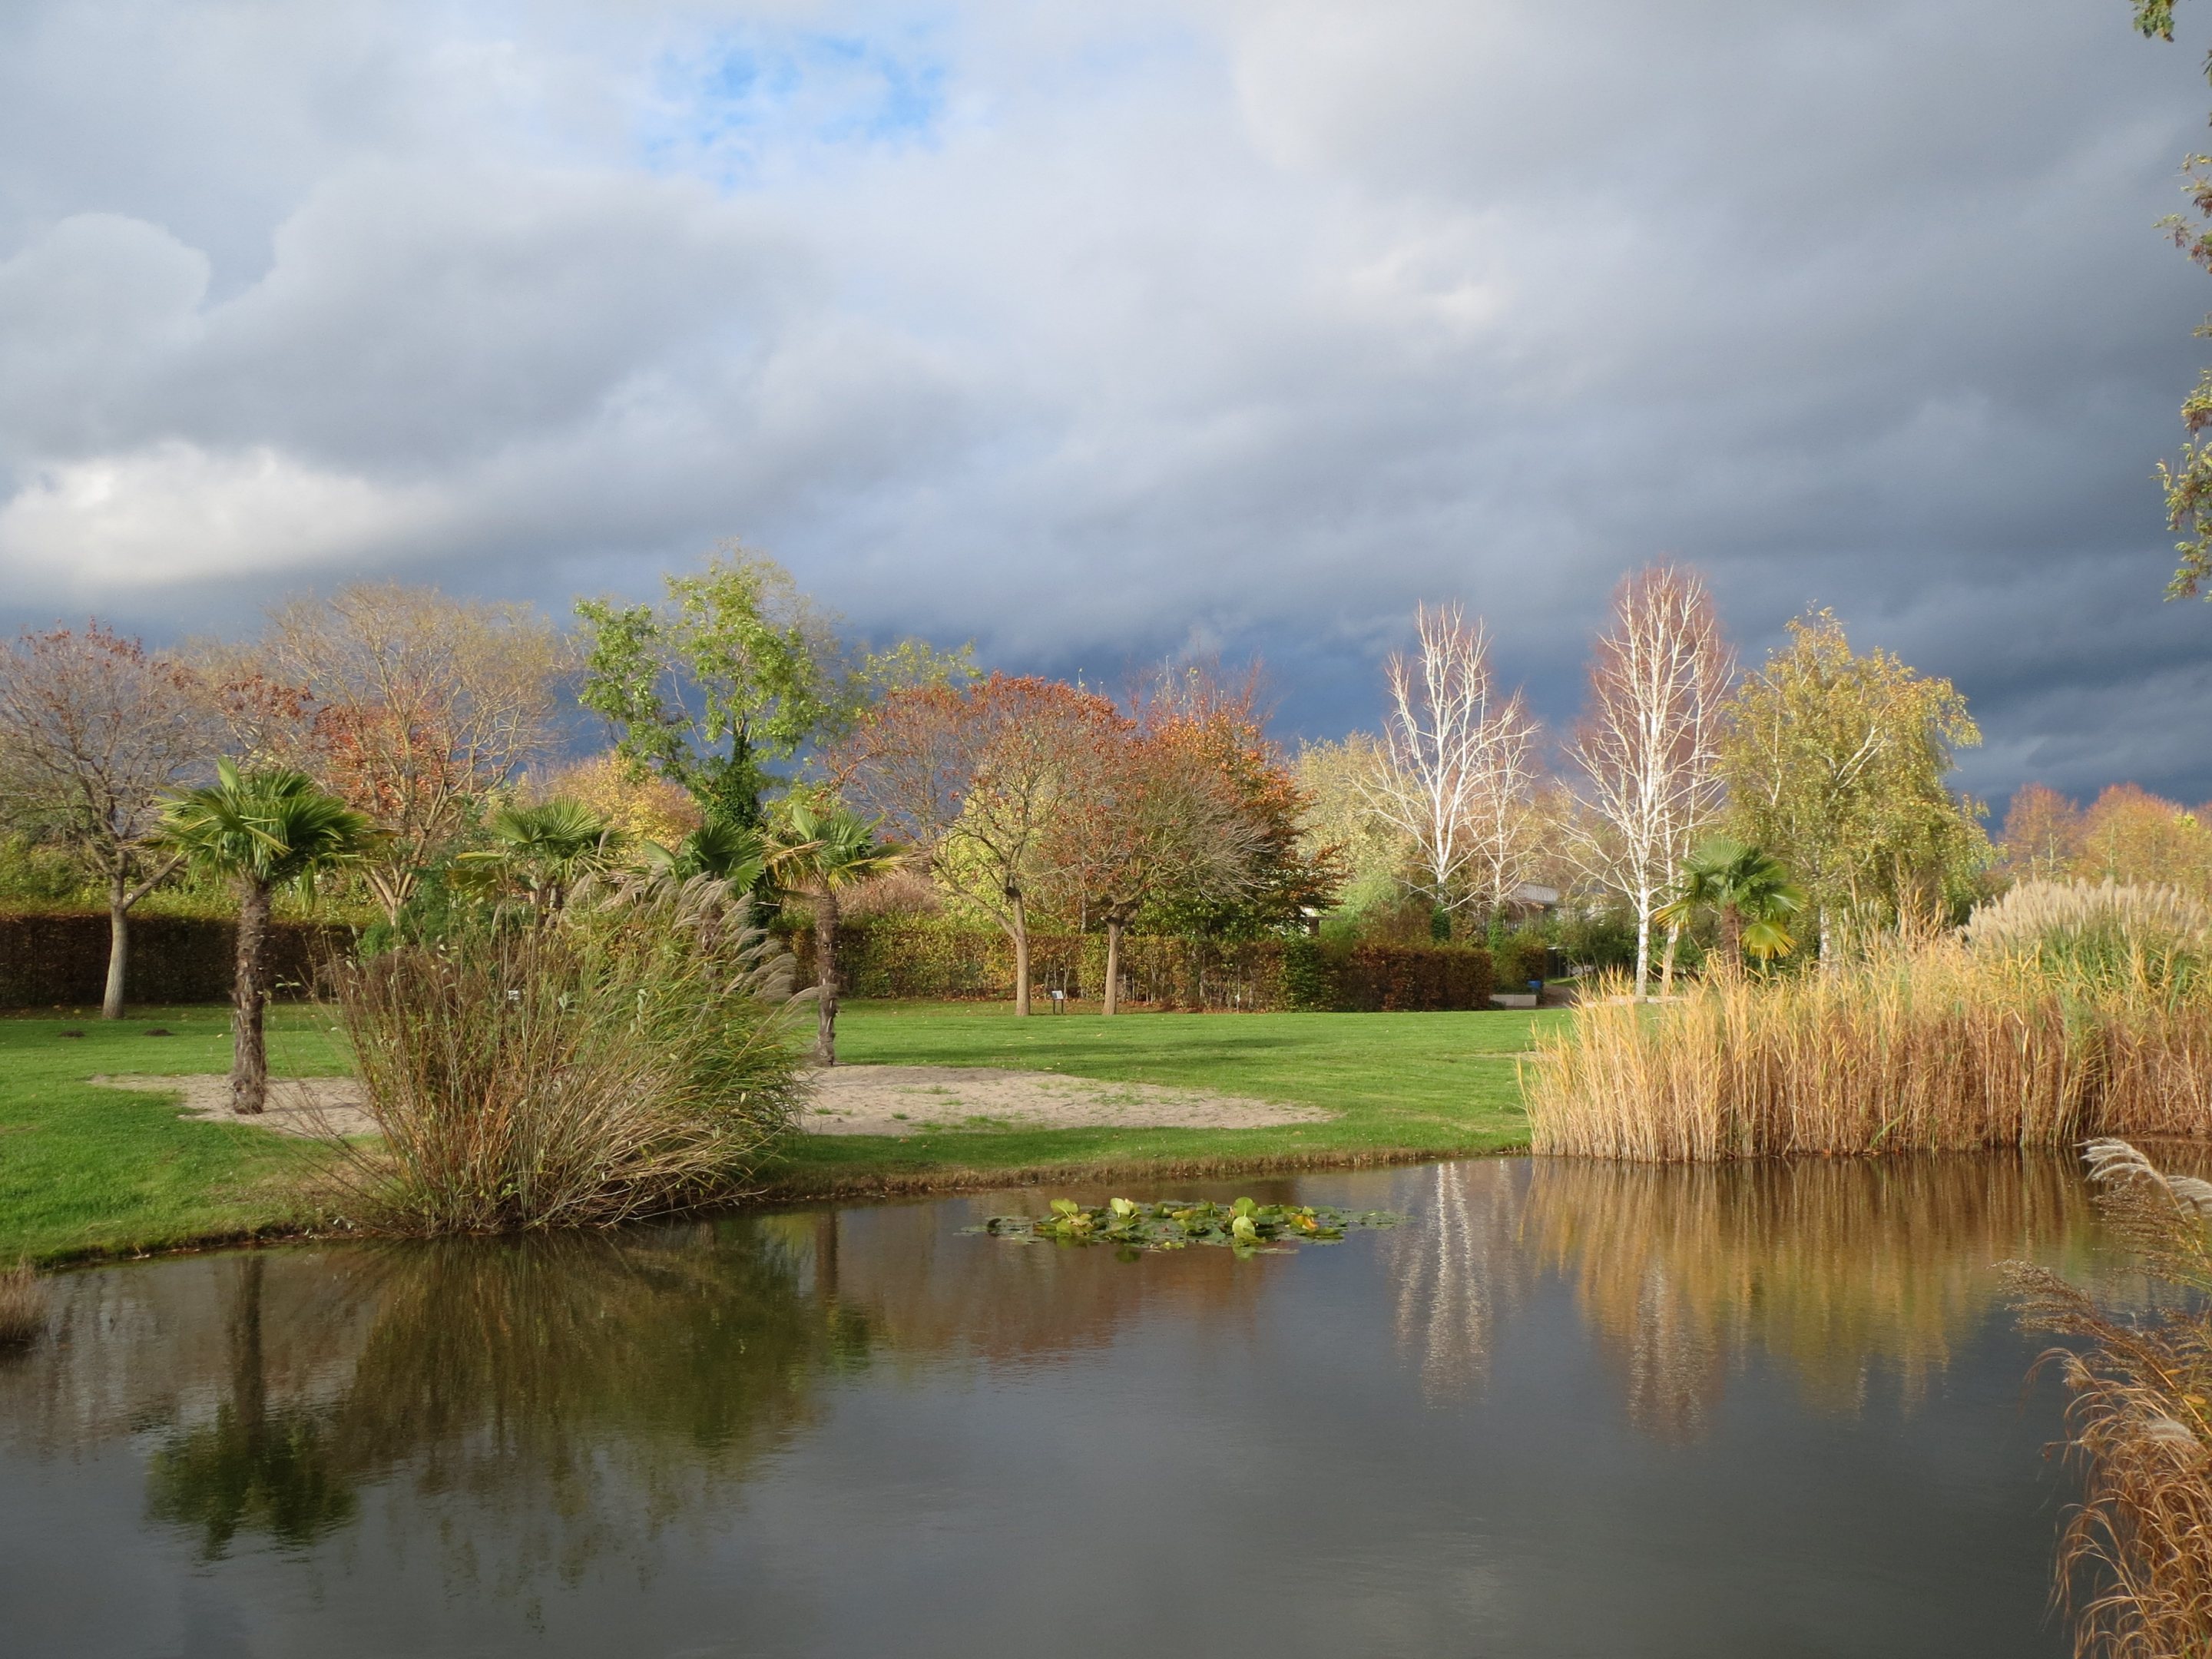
(848, 1100)
(901, 1100)
(310, 1106)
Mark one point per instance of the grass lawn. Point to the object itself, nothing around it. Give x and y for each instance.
(1403, 1085)
(87, 1170)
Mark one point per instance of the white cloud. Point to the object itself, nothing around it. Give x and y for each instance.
(174, 514)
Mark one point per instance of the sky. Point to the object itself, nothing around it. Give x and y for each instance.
(1096, 333)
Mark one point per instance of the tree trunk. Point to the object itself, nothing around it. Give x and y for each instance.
(825, 978)
(249, 1054)
(1110, 999)
(1667, 961)
(1643, 946)
(1732, 936)
(119, 945)
(1021, 933)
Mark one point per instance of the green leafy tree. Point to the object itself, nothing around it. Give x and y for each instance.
(262, 829)
(733, 675)
(2187, 481)
(1750, 891)
(819, 852)
(1838, 763)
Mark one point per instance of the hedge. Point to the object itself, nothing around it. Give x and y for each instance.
(60, 959)
(936, 961)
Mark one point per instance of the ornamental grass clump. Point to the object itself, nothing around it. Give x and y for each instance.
(1917, 1045)
(2134, 1562)
(2107, 937)
(625, 1056)
(22, 1307)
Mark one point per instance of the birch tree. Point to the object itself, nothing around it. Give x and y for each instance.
(1647, 747)
(1458, 765)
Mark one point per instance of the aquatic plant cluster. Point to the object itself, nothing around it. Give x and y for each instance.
(1246, 1226)
(2136, 1557)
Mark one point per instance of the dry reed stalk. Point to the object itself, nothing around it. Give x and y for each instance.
(1921, 1045)
(22, 1306)
(2134, 1561)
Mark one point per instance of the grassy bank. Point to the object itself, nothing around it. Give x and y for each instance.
(1403, 1087)
(87, 1170)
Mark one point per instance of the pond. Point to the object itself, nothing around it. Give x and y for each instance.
(1567, 1408)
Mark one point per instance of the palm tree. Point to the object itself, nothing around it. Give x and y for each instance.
(1750, 890)
(263, 829)
(820, 852)
(728, 852)
(548, 848)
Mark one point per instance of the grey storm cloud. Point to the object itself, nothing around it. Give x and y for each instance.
(1092, 331)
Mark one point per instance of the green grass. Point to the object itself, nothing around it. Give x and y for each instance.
(1403, 1087)
(87, 1170)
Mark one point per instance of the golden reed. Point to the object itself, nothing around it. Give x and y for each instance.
(1919, 1046)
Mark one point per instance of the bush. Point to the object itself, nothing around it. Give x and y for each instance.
(60, 959)
(626, 1059)
(937, 960)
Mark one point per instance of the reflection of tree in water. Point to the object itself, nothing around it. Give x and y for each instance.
(270, 1470)
(1822, 1265)
(1457, 1268)
(582, 1390)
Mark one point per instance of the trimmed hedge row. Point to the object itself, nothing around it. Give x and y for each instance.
(936, 961)
(60, 959)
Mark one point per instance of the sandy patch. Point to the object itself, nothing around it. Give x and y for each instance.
(312, 1107)
(903, 1100)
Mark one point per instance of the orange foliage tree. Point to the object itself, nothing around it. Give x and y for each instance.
(981, 780)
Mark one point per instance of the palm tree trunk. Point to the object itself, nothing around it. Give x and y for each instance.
(1667, 961)
(1732, 936)
(825, 978)
(1110, 999)
(249, 1053)
(118, 944)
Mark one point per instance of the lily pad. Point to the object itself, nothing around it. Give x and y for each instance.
(1248, 1227)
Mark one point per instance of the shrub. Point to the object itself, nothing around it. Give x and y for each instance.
(1928, 1046)
(2103, 936)
(22, 1306)
(628, 1057)
(59, 958)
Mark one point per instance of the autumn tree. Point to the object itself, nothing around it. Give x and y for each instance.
(1218, 719)
(1339, 779)
(419, 707)
(1160, 820)
(1459, 765)
(2130, 835)
(1839, 765)
(733, 675)
(2042, 837)
(1647, 750)
(976, 779)
(94, 731)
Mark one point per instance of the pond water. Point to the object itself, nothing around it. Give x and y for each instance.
(1567, 1409)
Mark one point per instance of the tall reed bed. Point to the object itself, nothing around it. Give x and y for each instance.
(627, 1058)
(2136, 1557)
(1930, 1045)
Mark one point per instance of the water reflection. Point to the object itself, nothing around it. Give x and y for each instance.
(1832, 1267)
(1457, 1270)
